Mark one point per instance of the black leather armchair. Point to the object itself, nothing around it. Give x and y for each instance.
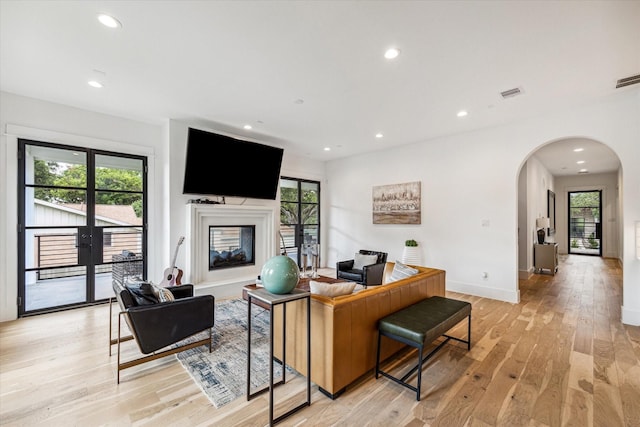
(155, 325)
(369, 275)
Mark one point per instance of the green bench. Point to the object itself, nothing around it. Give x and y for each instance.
(419, 325)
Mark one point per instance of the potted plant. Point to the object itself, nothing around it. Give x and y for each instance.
(411, 253)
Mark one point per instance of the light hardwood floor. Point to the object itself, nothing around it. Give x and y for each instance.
(559, 358)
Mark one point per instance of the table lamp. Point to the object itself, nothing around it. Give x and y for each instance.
(542, 223)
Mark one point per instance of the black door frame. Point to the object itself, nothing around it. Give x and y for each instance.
(299, 227)
(599, 231)
(90, 257)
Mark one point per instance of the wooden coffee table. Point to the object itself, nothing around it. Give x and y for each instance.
(303, 284)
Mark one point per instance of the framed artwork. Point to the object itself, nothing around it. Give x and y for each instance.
(397, 203)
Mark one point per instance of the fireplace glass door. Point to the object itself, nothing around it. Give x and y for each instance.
(231, 246)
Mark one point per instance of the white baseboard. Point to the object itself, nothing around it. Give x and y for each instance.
(525, 274)
(484, 291)
(630, 317)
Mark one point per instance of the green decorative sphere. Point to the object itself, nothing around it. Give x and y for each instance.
(280, 274)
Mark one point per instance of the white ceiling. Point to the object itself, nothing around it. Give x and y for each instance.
(224, 64)
(560, 158)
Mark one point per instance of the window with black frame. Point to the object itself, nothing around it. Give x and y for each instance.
(300, 221)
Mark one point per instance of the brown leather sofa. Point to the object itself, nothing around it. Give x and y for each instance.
(344, 329)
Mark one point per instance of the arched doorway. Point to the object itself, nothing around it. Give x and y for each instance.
(562, 167)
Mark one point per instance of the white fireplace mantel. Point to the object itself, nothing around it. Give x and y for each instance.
(201, 216)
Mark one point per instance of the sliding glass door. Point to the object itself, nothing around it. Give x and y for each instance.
(81, 224)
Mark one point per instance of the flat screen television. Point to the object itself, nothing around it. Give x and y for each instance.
(220, 165)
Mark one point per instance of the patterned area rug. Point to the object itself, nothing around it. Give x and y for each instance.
(222, 374)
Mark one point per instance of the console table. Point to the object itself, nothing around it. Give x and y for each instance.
(265, 297)
(545, 257)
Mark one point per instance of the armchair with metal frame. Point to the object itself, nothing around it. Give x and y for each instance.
(368, 275)
(159, 328)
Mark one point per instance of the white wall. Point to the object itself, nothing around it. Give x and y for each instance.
(534, 181)
(524, 250)
(608, 183)
(539, 182)
(45, 121)
(469, 179)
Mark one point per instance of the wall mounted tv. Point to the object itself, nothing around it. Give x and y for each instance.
(220, 165)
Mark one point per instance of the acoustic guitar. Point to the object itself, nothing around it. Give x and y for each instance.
(173, 275)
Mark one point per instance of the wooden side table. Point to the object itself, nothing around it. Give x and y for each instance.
(271, 300)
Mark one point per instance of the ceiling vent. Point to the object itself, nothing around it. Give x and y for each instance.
(628, 81)
(511, 93)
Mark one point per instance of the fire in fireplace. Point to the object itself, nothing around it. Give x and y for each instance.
(231, 246)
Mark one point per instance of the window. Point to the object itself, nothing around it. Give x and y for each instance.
(299, 217)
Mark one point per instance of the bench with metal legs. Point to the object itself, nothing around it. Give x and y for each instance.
(419, 325)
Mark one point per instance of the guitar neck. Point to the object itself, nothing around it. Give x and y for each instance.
(175, 253)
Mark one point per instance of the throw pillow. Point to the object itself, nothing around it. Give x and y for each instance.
(358, 288)
(331, 289)
(163, 294)
(360, 260)
(142, 293)
(401, 271)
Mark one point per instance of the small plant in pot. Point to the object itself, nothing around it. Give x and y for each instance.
(411, 253)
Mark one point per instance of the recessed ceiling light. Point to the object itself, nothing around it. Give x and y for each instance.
(109, 21)
(583, 171)
(95, 83)
(462, 113)
(580, 162)
(247, 127)
(392, 53)
(379, 135)
(327, 148)
(577, 150)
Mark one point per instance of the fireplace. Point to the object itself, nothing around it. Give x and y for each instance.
(262, 223)
(231, 246)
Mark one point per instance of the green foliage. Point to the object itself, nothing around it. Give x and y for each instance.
(44, 174)
(73, 177)
(574, 243)
(289, 206)
(585, 204)
(585, 200)
(410, 243)
(137, 207)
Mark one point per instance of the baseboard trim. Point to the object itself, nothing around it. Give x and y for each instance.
(525, 274)
(484, 291)
(630, 317)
